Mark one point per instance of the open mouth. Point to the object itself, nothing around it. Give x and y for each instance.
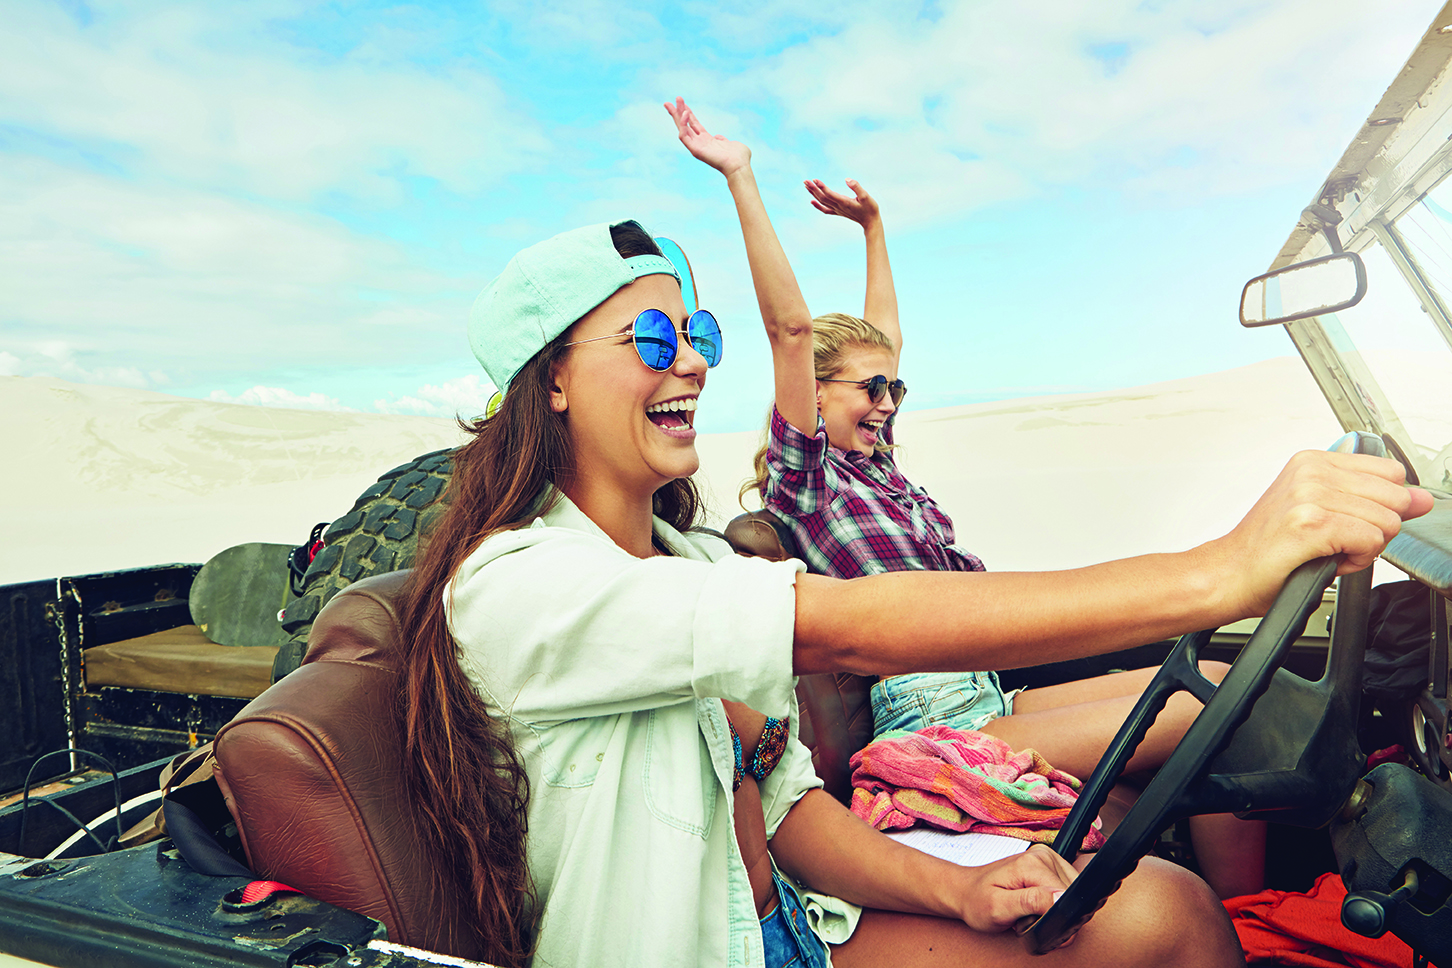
(676, 414)
(870, 429)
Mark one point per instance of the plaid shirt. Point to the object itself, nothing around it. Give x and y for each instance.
(854, 515)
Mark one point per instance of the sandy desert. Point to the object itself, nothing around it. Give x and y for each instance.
(100, 478)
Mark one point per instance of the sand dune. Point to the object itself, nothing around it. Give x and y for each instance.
(100, 478)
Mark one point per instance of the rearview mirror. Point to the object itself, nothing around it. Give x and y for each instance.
(1323, 285)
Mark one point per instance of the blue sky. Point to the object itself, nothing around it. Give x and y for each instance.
(295, 203)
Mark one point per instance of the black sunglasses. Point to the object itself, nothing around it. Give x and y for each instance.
(877, 386)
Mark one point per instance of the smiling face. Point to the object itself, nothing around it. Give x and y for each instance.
(853, 421)
(630, 427)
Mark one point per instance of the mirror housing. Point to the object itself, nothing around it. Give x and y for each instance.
(1311, 288)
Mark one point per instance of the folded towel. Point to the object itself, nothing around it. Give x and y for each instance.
(962, 780)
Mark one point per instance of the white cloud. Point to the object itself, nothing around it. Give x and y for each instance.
(208, 94)
(260, 396)
(605, 28)
(195, 282)
(60, 359)
(465, 397)
(989, 102)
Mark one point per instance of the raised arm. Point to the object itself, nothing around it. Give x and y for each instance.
(881, 304)
(783, 310)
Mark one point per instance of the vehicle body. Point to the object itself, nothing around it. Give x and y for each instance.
(1384, 366)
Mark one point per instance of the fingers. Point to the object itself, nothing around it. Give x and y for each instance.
(1358, 502)
(1047, 855)
(1321, 504)
(686, 122)
(824, 196)
(1024, 885)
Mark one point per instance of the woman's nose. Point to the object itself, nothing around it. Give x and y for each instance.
(689, 361)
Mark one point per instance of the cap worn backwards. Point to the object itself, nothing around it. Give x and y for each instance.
(544, 289)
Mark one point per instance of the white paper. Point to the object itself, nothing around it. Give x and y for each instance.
(969, 850)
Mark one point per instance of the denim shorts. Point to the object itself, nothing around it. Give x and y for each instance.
(962, 700)
(785, 935)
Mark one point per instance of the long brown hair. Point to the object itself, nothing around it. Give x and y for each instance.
(833, 337)
(463, 772)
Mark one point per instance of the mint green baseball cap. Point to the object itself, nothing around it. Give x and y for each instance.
(544, 289)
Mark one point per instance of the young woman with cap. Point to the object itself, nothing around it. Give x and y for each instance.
(599, 699)
(827, 470)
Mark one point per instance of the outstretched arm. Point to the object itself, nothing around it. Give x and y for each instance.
(783, 310)
(881, 307)
(1321, 504)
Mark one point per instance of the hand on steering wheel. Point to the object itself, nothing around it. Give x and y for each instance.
(1227, 707)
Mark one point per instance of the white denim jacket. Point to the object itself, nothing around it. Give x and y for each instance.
(611, 670)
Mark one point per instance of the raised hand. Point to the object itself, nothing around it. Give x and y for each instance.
(715, 150)
(859, 207)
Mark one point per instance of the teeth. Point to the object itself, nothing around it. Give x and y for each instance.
(687, 403)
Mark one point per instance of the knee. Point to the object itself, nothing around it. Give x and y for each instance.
(1214, 671)
(1167, 916)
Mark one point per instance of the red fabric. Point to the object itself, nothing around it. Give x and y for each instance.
(258, 890)
(1392, 754)
(1306, 929)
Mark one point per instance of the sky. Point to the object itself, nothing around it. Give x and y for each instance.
(294, 204)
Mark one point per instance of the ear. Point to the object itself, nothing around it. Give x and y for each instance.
(559, 400)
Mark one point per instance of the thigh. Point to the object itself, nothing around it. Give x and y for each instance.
(1162, 915)
(1074, 737)
(1111, 686)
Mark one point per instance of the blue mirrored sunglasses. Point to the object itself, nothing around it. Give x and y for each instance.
(656, 338)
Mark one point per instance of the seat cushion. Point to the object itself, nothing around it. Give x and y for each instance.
(182, 660)
(836, 711)
(311, 771)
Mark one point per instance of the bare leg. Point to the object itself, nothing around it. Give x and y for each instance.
(1230, 852)
(1162, 915)
(1072, 725)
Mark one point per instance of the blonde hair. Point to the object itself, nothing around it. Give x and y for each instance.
(834, 337)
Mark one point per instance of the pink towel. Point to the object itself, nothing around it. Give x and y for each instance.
(962, 781)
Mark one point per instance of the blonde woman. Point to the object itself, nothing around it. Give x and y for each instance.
(828, 472)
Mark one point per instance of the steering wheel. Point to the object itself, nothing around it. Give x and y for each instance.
(1185, 784)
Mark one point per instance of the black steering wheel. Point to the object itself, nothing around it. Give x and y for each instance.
(1297, 760)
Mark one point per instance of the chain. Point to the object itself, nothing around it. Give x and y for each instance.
(58, 616)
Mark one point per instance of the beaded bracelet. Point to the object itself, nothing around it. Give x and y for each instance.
(766, 756)
(736, 747)
(769, 748)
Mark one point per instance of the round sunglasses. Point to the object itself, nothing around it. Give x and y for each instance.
(877, 386)
(656, 338)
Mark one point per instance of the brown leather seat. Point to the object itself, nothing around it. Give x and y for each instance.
(836, 708)
(311, 773)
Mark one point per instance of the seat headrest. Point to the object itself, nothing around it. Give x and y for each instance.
(360, 623)
(761, 534)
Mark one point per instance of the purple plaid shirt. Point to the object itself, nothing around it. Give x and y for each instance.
(854, 515)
